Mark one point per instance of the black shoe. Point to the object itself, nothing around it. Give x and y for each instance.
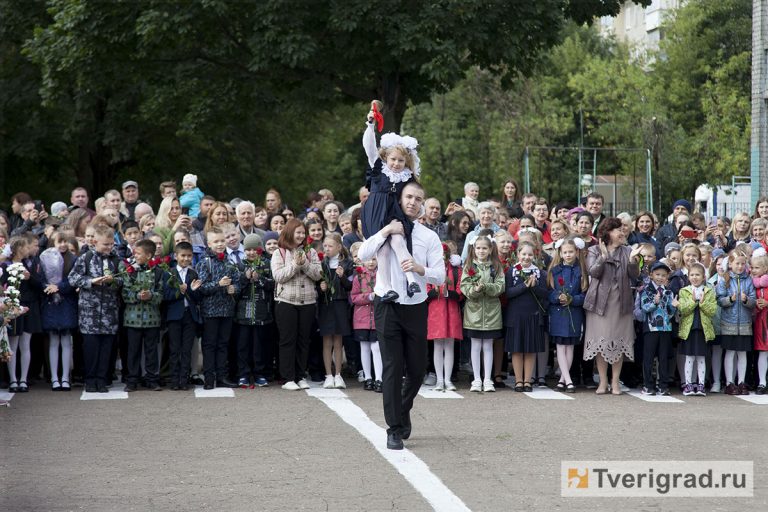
(101, 388)
(197, 381)
(368, 386)
(154, 386)
(208, 384)
(129, 388)
(405, 430)
(377, 387)
(183, 387)
(390, 296)
(161, 382)
(175, 387)
(413, 289)
(225, 383)
(91, 388)
(394, 441)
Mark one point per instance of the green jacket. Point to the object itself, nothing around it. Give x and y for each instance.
(707, 310)
(138, 313)
(482, 310)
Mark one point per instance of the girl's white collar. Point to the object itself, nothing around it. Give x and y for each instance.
(396, 177)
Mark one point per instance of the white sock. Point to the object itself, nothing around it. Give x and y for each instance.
(448, 358)
(54, 340)
(438, 360)
(383, 256)
(477, 345)
(66, 356)
(717, 363)
(762, 366)
(365, 358)
(26, 356)
(488, 358)
(564, 361)
(13, 344)
(401, 251)
(689, 368)
(729, 355)
(377, 363)
(742, 362)
(701, 366)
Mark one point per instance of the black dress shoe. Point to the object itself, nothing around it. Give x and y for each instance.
(91, 388)
(368, 386)
(377, 386)
(129, 388)
(183, 387)
(102, 388)
(225, 383)
(208, 384)
(390, 296)
(394, 441)
(413, 289)
(175, 387)
(154, 386)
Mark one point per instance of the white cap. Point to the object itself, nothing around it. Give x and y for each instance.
(190, 178)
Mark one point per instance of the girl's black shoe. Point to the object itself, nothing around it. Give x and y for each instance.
(368, 385)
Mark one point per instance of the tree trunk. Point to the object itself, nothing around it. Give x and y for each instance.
(391, 93)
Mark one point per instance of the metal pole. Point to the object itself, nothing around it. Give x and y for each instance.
(526, 171)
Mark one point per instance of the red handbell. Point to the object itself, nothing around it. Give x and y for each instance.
(378, 117)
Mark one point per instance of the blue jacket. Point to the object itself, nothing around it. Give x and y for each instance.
(736, 317)
(566, 321)
(174, 300)
(191, 199)
(216, 301)
(658, 317)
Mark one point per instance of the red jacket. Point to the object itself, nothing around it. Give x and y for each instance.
(362, 288)
(444, 320)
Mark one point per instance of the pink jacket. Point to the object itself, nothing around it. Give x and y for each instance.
(444, 320)
(362, 288)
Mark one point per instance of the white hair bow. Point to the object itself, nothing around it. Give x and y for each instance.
(409, 143)
(493, 240)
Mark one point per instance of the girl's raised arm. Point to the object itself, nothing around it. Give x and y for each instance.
(369, 144)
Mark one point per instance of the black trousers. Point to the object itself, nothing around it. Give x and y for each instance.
(402, 333)
(294, 323)
(96, 351)
(181, 336)
(147, 339)
(656, 344)
(250, 350)
(214, 344)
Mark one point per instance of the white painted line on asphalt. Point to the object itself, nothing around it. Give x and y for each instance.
(751, 398)
(112, 395)
(654, 398)
(547, 394)
(415, 471)
(214, 393)
(6, 395)
(321, 392)
(428, 392)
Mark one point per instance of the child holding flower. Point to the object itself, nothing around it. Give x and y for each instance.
(364, 324)
(444, 323)
(567, 281)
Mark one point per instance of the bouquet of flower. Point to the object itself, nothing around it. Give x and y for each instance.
(307, 247)
(568, 299)
(327, 278)
(165, 264)
(525, 274)
(472, 275)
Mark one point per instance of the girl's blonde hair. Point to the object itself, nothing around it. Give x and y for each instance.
(762, 258)
(146, 219)
(493, 256)
(758, 222)
(557, 259)
(736, 217)
(689, 247)
(409, 162)
(731, 258)
(343, 253)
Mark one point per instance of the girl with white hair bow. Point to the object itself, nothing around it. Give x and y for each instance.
(392, 166)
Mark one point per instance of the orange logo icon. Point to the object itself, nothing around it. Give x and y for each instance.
(578, 479)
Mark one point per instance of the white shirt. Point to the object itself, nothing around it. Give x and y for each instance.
(239, 251)
(183, 276)
(427, 251)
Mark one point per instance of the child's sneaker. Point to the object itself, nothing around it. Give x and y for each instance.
(261, 382)
(715, 388)
(449, 386)
(338, 382)
(688, 390)
(662, 392)
(243, 383)
(440, 386)
(488, 386)
(477, 386)
(328, 384)
(647, 392)
(700, 390)
(361, 376)
(430, 379)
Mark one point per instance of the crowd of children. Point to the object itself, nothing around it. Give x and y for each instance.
(103, 295)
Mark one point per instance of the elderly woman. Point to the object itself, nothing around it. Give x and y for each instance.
(610, 333)
(486, 211)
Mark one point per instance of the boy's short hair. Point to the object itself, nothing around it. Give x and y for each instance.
(130, 224)
(182, 246)
(103, 231)
(146, 245)
(227, 227)
(214, 230)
